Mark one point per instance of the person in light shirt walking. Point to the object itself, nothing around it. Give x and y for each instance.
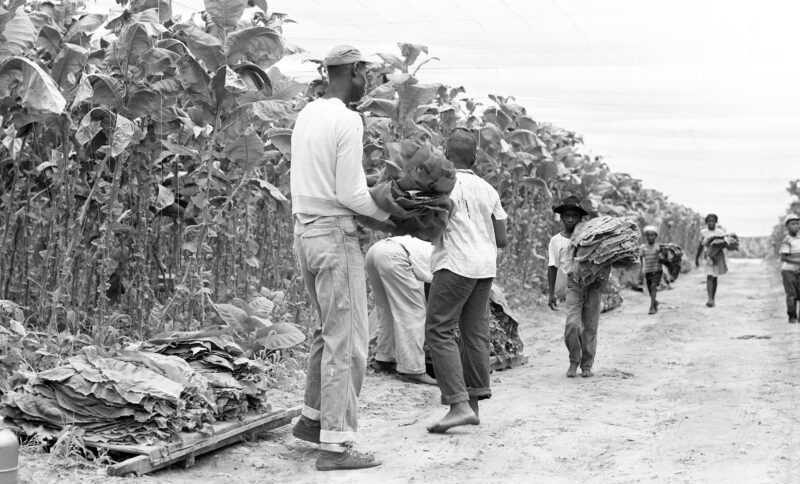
(790, 265)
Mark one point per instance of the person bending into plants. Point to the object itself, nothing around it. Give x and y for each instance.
(651, 265)
(463, 263)
(398, 268)
(712, 243)
(328, 189)
(583, 303)
(790, 265)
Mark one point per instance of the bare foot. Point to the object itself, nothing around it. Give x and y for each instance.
(459, 414)
(473, 404)
(572, 372)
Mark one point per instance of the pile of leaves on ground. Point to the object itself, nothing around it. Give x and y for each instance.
(504, 332)
(414, 188)
(149, 391)
(671, 257)
(601, 243)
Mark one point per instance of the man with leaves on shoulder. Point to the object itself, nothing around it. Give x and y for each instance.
(329, 189)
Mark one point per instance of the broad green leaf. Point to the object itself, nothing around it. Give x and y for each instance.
(411, 51)
(125, 133)
(274, 193)
(272, 110)
(281, 336)
(412, 96)
(159, 61)
(225, 13)
(547, 170)
(380, 107)
(284, 87)
(259, 45)
(85, 26)
(107, 91)
(143, 102)
(164, 8)
(164, 198)
(226, 82)
(281, 139)
(70, 60)
(262, 307)
(255, 77)
(17, 33)
(35, 88)
(257, 324)
(167, 87)
(231, 315)
(393, 61)
(133, 41)
(49, 39)
(246, 149)
(87, 129)
(203, 45)
(194, 79)
(538, 185)
(524, 138)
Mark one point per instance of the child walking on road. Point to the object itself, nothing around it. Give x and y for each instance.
(582, 302)
(651, 264)
(714, 257)
(790, 265)
(464, 263)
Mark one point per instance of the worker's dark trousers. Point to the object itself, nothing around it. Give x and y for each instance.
(583, 316)
(791, 284)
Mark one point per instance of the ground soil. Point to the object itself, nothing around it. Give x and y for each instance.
(691, 394)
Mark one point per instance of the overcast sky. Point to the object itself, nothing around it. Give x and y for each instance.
(698, 98)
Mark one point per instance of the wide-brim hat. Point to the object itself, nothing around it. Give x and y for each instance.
(650, 228)
(791, 217)
(570, 203)
(343, 54)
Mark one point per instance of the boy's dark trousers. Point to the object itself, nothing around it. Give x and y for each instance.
(457, 302)
(791, 284)
(583, 316)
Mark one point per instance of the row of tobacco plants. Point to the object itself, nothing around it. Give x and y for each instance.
(144, 165)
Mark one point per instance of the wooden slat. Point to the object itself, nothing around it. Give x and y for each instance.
(225, 433)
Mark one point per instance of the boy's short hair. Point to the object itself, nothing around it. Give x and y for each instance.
(462, 145)
(710, 216)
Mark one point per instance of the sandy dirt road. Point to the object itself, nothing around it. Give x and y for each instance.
(691, 394)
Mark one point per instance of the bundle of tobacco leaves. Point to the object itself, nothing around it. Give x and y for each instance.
(414, 189)
(604, 242)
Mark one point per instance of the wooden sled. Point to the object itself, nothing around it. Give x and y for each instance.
(148, 458)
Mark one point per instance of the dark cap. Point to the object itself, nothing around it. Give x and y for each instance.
(570, 202)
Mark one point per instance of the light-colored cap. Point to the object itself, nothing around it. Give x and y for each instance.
(343, 54)
(790, 217)
(650, 228)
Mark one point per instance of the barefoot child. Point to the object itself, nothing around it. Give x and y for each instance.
(651, 264)
(582, 302)
(463, 264)
(790, 265)
(714, 259)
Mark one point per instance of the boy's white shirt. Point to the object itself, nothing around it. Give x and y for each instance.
(468, 247)
(560, 258)
(790, 246)
(419, 254)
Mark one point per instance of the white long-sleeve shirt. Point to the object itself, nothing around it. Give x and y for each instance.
(327, 177)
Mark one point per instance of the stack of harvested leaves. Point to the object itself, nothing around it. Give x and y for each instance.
(128, 396)
(604, 242)
(504, 332)
(238, 383)
(414, 188)
(671, 256)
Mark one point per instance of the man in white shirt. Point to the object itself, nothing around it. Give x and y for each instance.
(329, 189)
(398, 268)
